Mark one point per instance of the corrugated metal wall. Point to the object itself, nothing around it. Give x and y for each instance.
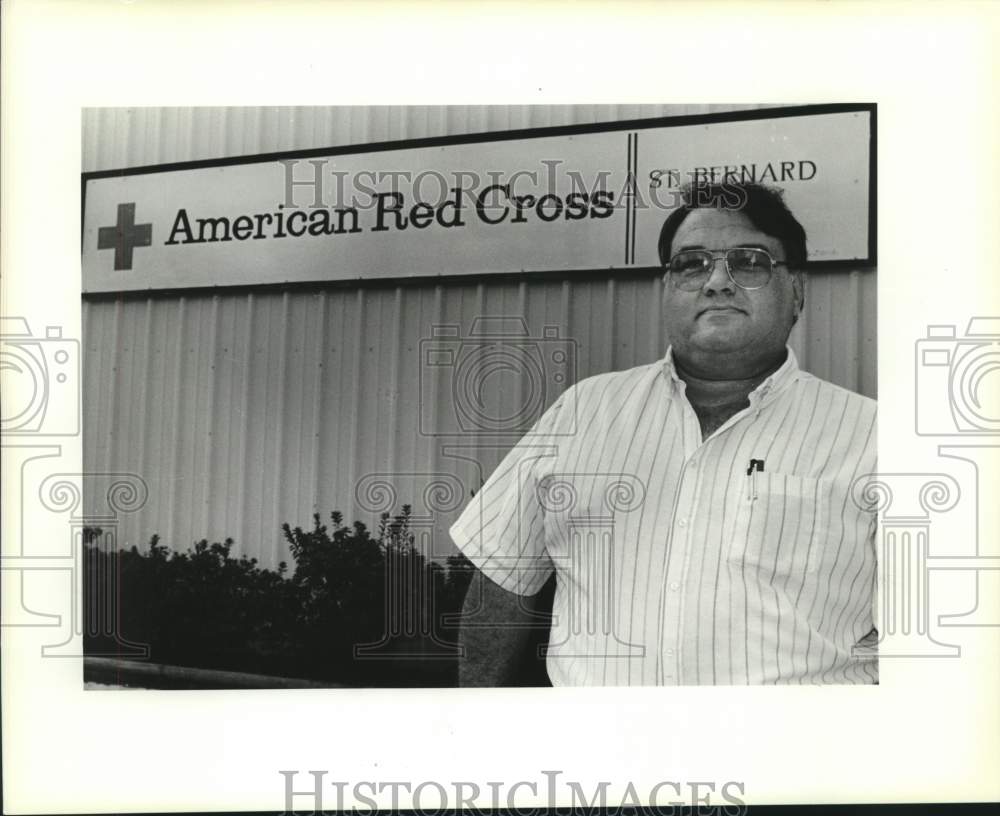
(243, 411)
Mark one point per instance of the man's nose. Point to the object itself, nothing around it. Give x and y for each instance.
(719, 279)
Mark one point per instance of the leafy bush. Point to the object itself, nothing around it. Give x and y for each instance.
(199, 608)
(365, 599)
(352, 611)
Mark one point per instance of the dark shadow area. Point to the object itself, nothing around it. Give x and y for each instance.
(360, 609)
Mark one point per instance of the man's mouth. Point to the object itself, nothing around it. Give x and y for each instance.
(720, 309)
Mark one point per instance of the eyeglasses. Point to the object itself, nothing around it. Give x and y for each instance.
(748, 268)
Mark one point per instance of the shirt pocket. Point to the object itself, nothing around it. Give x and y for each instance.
(781, 531)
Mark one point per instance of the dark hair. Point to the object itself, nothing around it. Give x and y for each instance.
(764, 206)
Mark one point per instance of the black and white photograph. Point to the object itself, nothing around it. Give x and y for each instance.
(441, 406)
(536, 395)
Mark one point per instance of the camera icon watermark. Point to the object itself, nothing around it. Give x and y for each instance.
(958, 395)
(496, 380)
(958, 380)
(39, 372)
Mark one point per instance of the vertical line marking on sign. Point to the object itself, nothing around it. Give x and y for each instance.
(628, 210)
(633, 188)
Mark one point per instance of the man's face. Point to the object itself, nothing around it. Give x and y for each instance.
(721, 318)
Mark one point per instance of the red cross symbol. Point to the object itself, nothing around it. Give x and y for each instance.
(124, 236)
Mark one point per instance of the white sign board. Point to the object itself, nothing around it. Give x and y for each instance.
(548, 200)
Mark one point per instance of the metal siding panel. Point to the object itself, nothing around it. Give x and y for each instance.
(90, 137)
(250, 354)
(868, 335)
(153, 459)
(124, 416)
(302, 388)
(331, 423)
(90, 391)
(381, 385)
(127, 418)
(192, 417)
(174, 427)
(275, 417)
(136, 452)
(185, 427)
(629, 306)
(211, 381)
(257, 444)
(404, 397)
(611, 310)
(255, 436)
(282, 458)
(801, 330)
(822, 341)
(358, 432)
(388, 453)
(224, 415)
(99, 350)
(320, 345)
(130, 137)
(241, 343)
(218, 404)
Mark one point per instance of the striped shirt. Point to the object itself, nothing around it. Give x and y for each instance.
(673, 565)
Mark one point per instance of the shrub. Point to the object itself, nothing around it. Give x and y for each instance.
(353, 605)
(198, 608)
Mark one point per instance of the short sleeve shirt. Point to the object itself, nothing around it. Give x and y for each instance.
(674, 565)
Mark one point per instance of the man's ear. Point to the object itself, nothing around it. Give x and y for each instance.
(799, 293)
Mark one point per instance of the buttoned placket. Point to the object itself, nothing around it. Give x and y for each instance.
(688, 497)
(680, 535)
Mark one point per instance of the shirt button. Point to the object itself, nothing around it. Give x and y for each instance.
(670, 652)
(675, 586)
(694, 462)
(683, 522)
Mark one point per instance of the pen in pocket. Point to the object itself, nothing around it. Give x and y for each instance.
(756, 466)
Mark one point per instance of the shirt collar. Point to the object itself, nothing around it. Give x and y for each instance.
(786, 373)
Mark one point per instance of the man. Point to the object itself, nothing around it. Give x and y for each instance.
(697, 511)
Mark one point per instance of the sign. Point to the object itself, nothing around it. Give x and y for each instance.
(548, 200)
